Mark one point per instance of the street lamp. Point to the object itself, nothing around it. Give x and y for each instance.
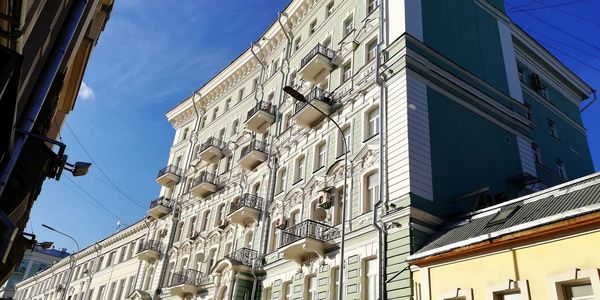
(300, 97)
(72, 258)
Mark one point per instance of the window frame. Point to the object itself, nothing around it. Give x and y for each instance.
(574, 276)
(519, 287)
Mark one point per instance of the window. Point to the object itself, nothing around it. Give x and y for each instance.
(329, 9)
(293, 78)
(210, 260)
(122, 254)
(282, 180)
(267, 294)
(327, 42)
(348, 25)
(371, 6)
(373, 125)
(320, 156)
(202, 122)
(111, 257)
(544, 92)
(311, 288)
(228, 164)
(90, 294)
(371, 50)
(286, 290)
(101, 293)
(192, 227)
(185, 134)
(240, 95)
(528, 111)
(520, 71)
(346, 71)
(270, 97)
(215, 114)
(179, 232)
(537, 156)
(581, 291)
(560, 167)
(294, 218)
(299, 174)
(222, 134)
(254, 84)
(205, 216)
(111, 292)
(370, 279)
(227, 104)
(552, 129)
(297, 43)
(234, 127)
(312, 27)
(287, 121)
(335, 282)
(508, 296)
(372, 191)
(274, 67)
(220, 214)
(344, 137)
(99, 265)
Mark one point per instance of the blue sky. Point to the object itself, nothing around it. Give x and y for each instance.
(154, 53)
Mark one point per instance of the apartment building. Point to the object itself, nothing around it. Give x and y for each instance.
(34, 261)
(398, 116)
(44, 50)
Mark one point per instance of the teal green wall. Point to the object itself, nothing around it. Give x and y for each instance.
(468, 152)
(466, 34)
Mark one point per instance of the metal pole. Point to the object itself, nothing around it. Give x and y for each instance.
(341, 268)
(72, 258)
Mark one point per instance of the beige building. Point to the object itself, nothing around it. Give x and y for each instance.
(390, 126)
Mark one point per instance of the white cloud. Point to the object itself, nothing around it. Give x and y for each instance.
(85, 92)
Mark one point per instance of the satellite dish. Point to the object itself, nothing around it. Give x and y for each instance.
(320, 214)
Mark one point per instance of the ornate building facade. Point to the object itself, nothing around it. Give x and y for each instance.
(398, 115)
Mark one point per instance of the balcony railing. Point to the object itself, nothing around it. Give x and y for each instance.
(212, 142)
(204, 177)
(188, 276)
(319, 49)
(205, 279)
(261, 105)
(169, 169)
(164, 201)
(150, 245)
(247, 200)
(315, 94)
(243, 256)
(308, 229)
(254, 145)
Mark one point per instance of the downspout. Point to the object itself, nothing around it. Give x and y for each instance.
(175, 221)
(382, 237)
(271, 163)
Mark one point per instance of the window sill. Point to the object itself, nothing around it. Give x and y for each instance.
(319, 169)
(370, 138)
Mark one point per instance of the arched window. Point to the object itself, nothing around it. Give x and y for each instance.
(248, 239)
(281, 179)
(192, 227)
(205, 217)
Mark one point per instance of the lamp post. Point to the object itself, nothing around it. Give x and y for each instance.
(72, 258)
(300, 97)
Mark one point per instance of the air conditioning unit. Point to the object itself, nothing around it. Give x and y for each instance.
(327, 198)
(536, 82)
(281, 223)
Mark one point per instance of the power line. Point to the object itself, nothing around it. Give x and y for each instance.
(513, 10)
(572, 14)
(113, 184)
(106, 209)
(544, 36)
(573, 57)
(564, 32)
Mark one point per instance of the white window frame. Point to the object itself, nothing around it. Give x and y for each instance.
(346, 73)
(574, 276)
(281, 179)
(561, 169)
(312, 27)
(368, 119)
(520, 287)
(286, 290)
(348, 25)
(329, 9)
(300, 168)
(458, 294)
(368, 51)
(372, 6)
(340, 140)
(320, 155)
(311, 292)
(368, 277)
(370, 194)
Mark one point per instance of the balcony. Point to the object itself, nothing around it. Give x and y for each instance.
(211, 150)
(306, 115)
(260, 117)
(185, 283)
(306, 238)
(246, 210)
(160, 207)
(317, 64)
(149, 251)
(253, 155)
(204, 185)
(243, 256)
(169, 176)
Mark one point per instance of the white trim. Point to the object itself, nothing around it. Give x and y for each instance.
(557, 282)
(510, 62)
(467, 293)
(509, 287)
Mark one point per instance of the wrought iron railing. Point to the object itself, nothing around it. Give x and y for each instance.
(204, 177)
(188, 276)
(164, 201)
(205, 279)
(261, 105)
(247, 200)
(169, 169)
(315, 94)
(319, 49)
(150, 245)
(254, 145)
(243, 256)
(212, 142)
(308, 229)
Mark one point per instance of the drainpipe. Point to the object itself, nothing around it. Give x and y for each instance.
(382, 237)
(175, 221)
(271, 162)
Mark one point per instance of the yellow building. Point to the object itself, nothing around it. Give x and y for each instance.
(541, 246)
